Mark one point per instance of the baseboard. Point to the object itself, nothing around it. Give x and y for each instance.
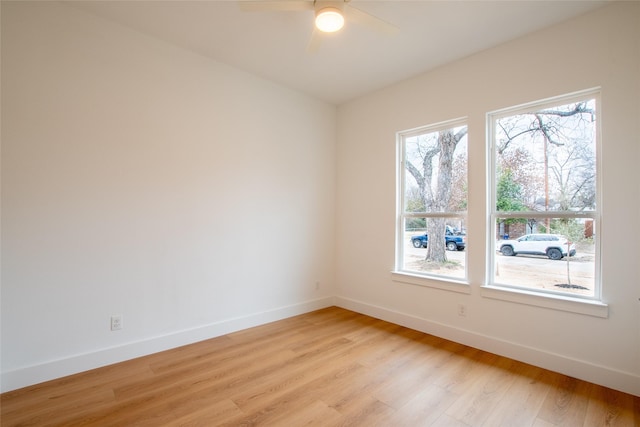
(24, 377)
(597, 374)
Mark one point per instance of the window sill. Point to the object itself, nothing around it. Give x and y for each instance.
(555, 302)
(431, 282)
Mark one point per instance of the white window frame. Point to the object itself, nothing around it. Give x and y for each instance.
(400, 275)
(590, 305)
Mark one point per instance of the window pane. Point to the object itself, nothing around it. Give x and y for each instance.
(545, 193)
(452, 240)
(545, 159)
(532, 253)
(432, 209)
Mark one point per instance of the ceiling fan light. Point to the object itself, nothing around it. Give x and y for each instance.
(329, 19)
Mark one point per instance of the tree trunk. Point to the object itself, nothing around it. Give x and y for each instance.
(436, 248)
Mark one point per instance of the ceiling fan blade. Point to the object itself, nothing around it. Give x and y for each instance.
(314, 41)
(276, 5)
(370, 21)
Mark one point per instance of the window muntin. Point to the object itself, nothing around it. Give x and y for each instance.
(544, 182)
(433, 201)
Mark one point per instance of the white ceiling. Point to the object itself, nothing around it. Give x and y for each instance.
(350, 63)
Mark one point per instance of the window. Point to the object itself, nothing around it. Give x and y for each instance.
(432, 201)
(544, 197)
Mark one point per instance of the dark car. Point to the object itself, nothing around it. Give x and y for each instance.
(453, 241)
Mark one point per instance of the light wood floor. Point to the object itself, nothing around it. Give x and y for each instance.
(331, 367)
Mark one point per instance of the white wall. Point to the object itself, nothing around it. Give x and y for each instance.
(143, 180)
(194, 199)
(598, 49)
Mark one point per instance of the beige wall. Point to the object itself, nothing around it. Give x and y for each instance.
(600, 49)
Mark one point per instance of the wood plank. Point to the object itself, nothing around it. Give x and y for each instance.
(609, 408)
(566, 404)
(424, 409)
(524, 398)
(480, 399)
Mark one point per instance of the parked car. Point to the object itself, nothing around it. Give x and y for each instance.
(555, 246)
(453, 241)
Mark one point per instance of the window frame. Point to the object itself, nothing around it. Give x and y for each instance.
(584, 304)
(399, 274)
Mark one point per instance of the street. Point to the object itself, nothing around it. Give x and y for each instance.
(522, 270)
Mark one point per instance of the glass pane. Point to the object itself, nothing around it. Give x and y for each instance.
(546, 159)
(436, 171)
(550, 254)
(445, 258)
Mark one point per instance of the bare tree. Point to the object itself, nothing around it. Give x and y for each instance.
(521, 165)
(568, 172)
(572, 169)
(459, 189)
(541, 122)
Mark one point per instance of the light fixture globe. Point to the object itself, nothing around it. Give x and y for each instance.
(329, 19)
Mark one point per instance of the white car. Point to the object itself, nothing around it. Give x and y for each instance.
(555, 246)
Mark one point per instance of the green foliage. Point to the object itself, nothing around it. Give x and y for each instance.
(509, 196)
(509, 193)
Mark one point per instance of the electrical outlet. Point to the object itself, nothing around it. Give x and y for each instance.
(317, 286)
(462, 310)
(116, 322)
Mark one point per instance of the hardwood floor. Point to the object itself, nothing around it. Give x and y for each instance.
(332, 367)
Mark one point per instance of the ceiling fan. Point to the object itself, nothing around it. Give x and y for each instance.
(330, 16)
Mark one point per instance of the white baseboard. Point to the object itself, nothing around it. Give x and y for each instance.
(597, 374)
(83, 362)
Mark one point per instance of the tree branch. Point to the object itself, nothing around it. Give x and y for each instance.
(415, 173)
